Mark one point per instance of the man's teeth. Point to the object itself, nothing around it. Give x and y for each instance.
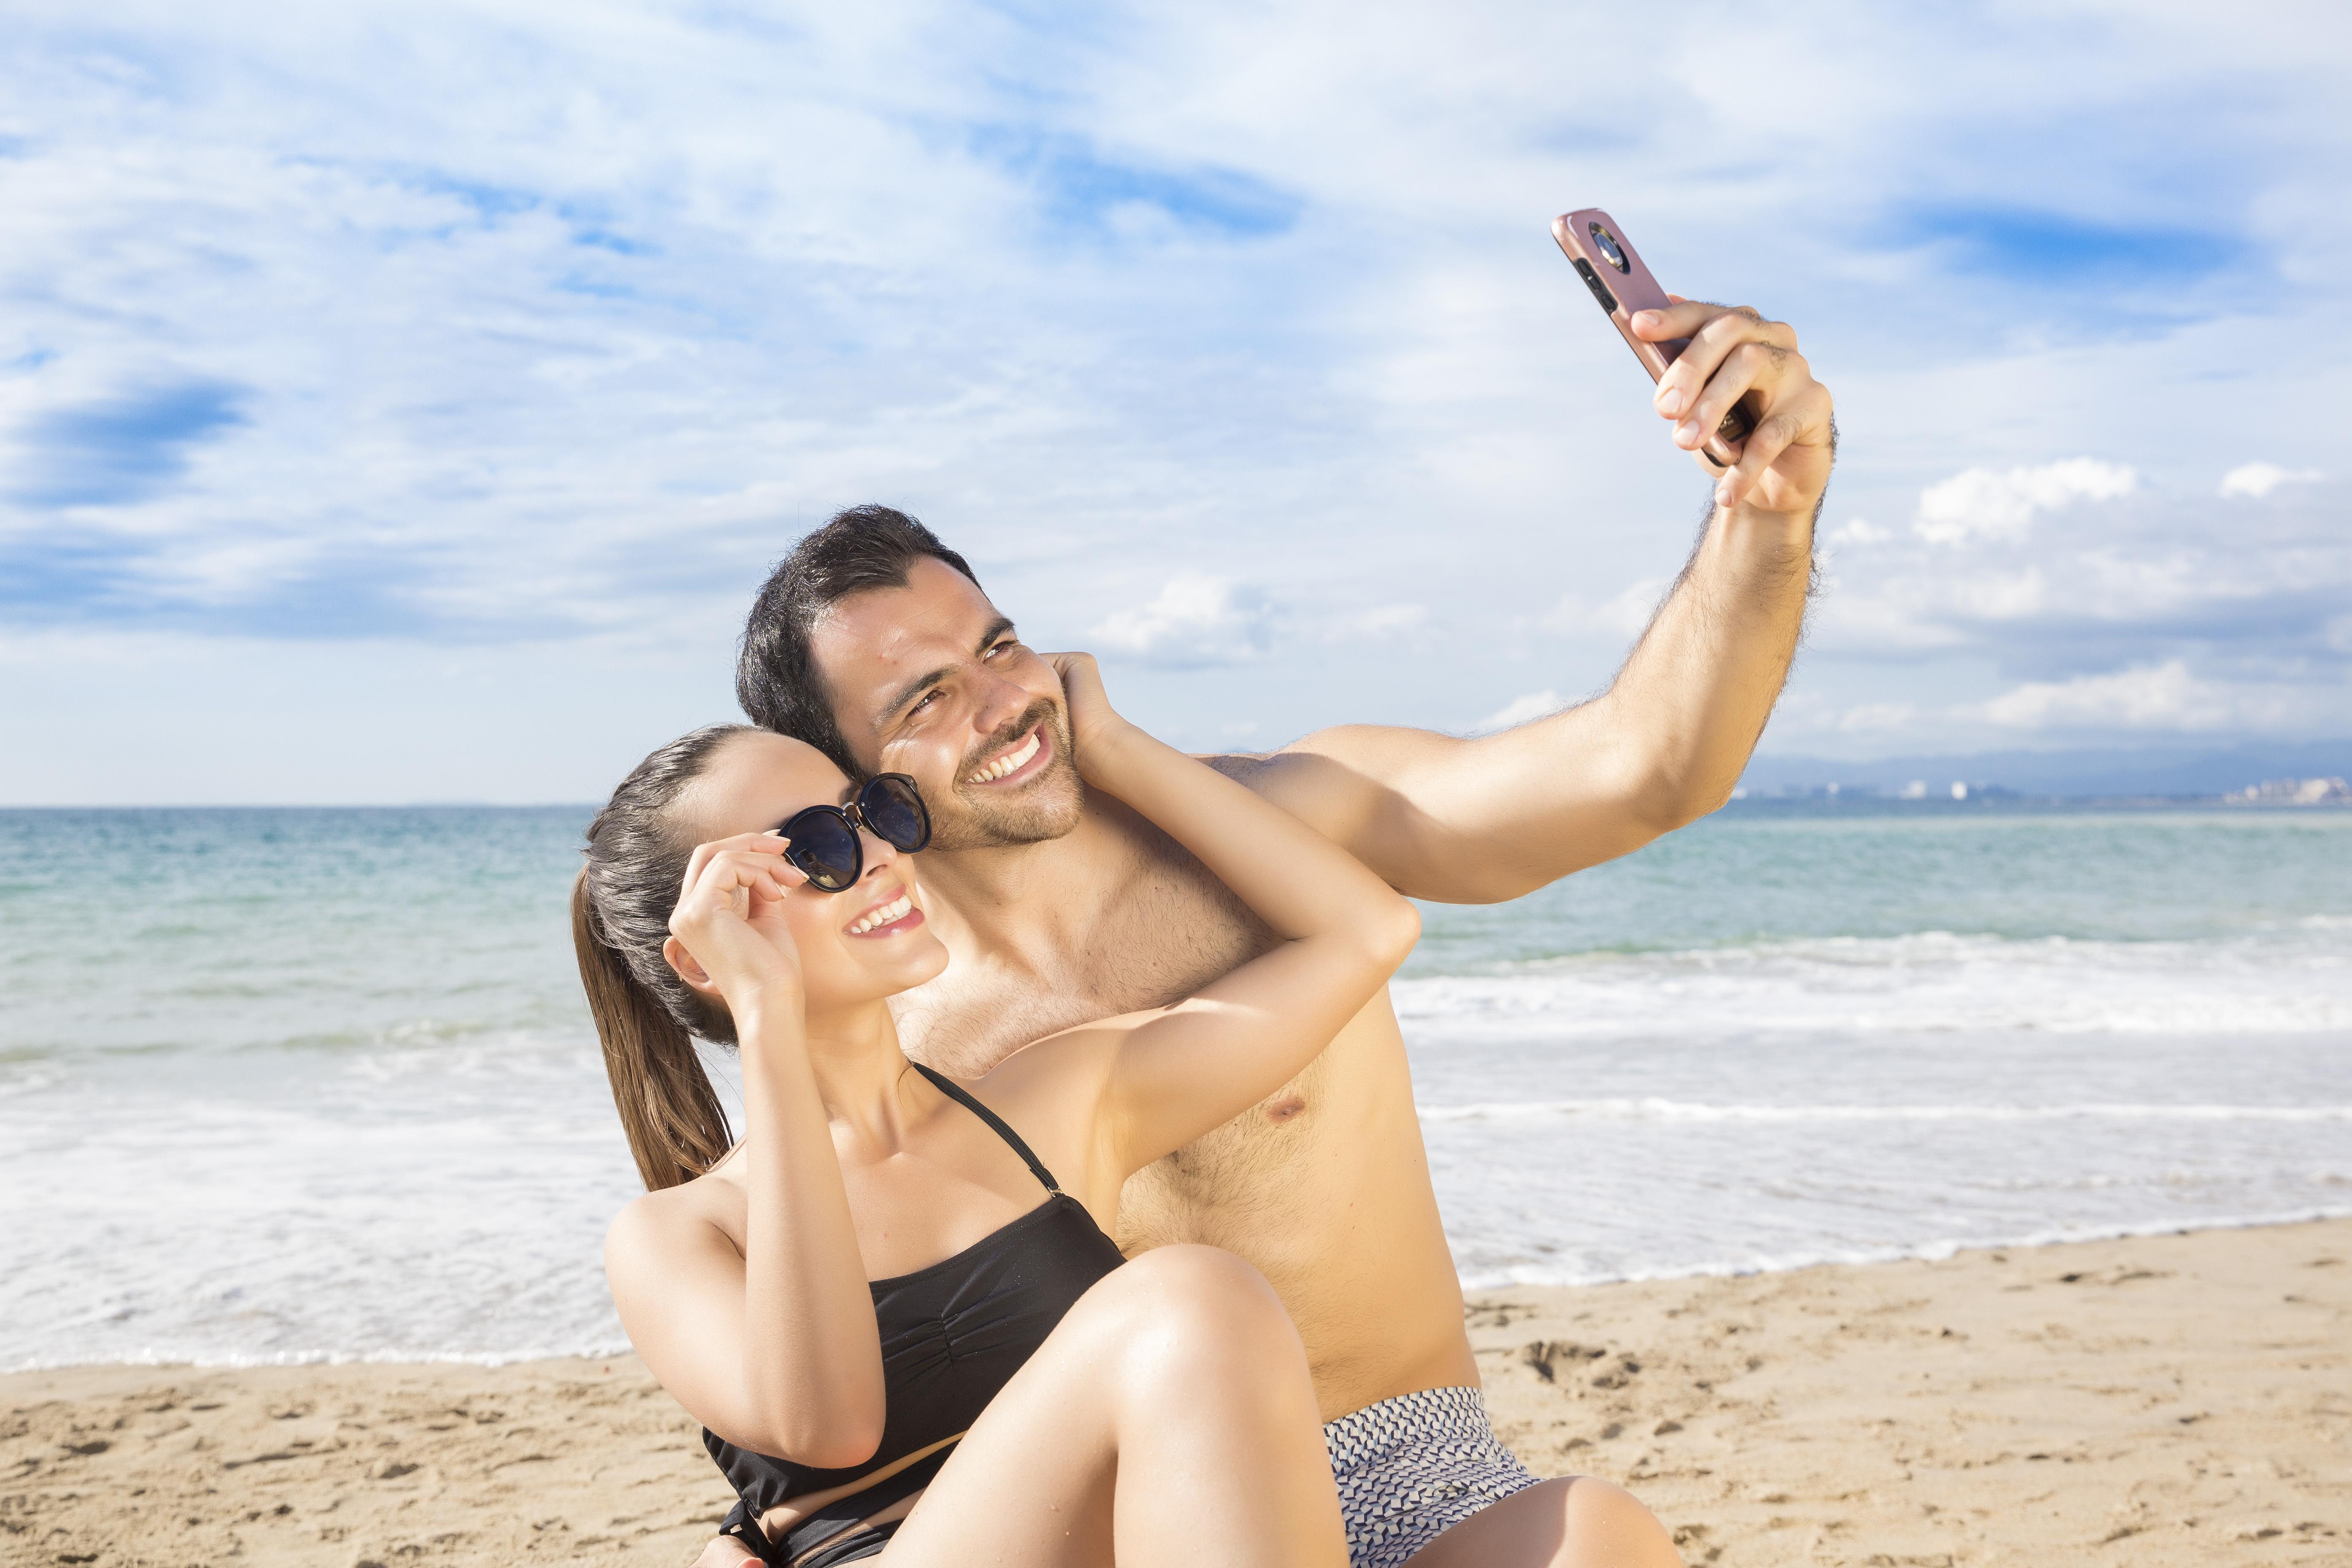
(894, 910)
(1011, 762)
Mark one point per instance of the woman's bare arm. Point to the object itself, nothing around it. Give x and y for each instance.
(1169, 1075)
(774, 1348)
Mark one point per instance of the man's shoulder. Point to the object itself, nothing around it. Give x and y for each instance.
(1301, 767)
(1332, 779)
(1243, 767)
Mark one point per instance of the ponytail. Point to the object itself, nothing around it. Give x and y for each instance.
(647, 1017)
(675, 1127)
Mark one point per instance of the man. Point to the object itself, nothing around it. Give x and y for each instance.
(874, 642)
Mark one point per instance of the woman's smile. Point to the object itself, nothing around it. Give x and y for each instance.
(888, 919)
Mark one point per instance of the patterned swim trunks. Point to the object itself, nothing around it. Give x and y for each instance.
(1412, 1467)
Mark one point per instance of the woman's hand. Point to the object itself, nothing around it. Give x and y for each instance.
(725, 1552)
(1095, 728)
(730, 918)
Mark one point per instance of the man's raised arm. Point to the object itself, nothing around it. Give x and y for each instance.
(1482, 820)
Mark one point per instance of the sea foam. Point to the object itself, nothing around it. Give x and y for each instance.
(288, 1086)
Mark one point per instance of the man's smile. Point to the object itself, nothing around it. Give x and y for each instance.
(1012, 763)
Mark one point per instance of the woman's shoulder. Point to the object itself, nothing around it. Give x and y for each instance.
(668, 1221)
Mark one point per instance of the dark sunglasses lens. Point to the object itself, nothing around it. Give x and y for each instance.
(824, 849)
(894, 810)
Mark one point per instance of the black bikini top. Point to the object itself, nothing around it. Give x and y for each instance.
(952, 1334)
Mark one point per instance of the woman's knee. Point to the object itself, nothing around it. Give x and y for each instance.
(1194, 1304)
(1205, 1281)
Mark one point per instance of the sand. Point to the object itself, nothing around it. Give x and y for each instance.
(2181, 1399)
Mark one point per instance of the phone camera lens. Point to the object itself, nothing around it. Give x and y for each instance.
(1610, 248)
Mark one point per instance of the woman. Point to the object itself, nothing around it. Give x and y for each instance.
(866, 1303)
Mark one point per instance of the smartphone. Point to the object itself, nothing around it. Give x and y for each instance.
(1613, 271)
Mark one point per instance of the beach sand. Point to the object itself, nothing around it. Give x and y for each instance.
(2178, 1399)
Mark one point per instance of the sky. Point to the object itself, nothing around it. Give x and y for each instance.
(404, 403)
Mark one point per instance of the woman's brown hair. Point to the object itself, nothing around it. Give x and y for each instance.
(647, 1017)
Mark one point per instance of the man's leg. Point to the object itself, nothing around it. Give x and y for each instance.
(1574, 1522)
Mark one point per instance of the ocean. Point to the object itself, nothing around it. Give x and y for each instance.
(291, 1084)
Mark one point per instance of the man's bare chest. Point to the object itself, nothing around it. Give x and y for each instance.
(1171, 931)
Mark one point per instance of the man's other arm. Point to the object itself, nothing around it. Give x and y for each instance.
(1485, 819)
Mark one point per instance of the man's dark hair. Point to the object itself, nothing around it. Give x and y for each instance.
(776, 678)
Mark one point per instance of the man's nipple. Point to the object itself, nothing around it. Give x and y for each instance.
(1283, 1109)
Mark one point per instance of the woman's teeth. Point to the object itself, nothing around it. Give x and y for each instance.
(1011, 762)
(894, 910)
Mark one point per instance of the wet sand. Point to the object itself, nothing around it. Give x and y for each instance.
(2178, 1399)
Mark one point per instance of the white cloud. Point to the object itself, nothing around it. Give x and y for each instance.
(1865, 718)
(1195, 621)
(1858, 530)
(2160, 580)
(2155, 696)
(2259, 480)
(1982, 504)
(1518, 711)
(1625, 614)
(2168, 698)
(1383, 623)
(555, 324)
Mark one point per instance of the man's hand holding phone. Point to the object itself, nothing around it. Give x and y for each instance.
(1735, 354)
(1744, 403)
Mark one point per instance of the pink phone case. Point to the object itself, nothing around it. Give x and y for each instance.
(1613, 271)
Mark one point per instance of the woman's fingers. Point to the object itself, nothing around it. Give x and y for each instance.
(1081, 677)
(792, 875)
(1084, 702)
(727, 916)
(749, 869)
(728, 874)
(726, 1551)
(771, 842)
(768, 843)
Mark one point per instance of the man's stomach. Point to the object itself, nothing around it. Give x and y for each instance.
(1324, 1188)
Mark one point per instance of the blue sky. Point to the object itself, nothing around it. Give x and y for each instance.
(403, 403)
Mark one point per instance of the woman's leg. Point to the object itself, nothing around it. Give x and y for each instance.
(1168, 1420)
(1575, 1523)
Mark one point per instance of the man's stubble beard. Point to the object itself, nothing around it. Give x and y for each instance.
(1047, 807)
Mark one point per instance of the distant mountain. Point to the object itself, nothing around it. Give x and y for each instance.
(2170, 771)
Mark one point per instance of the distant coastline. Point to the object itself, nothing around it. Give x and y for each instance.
(2173, 774)
(1847, 798)
(1994, 800)
(1787, 800)
(2095, 778)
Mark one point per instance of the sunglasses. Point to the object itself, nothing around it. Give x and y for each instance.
(825, 843)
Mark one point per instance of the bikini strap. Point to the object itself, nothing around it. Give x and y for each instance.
(948, 1086)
